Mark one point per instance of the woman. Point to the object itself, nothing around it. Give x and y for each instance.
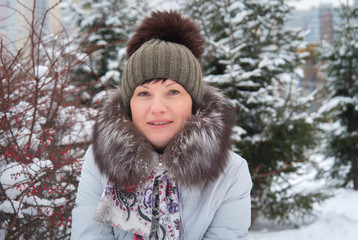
(160, 166)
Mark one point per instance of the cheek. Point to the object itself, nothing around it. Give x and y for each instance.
(136, 112)
(186, 109)
(188, 113)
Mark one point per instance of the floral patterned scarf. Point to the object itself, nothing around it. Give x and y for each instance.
(150, 211)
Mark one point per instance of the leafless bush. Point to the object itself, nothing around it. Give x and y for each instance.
(44, 130)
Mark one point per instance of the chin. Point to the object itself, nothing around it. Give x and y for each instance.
(159, 147)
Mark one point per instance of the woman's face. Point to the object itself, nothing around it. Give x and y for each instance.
(159, 110)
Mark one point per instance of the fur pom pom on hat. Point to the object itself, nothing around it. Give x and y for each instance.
(165, 45)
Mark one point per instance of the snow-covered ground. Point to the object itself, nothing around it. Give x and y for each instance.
(336, 219)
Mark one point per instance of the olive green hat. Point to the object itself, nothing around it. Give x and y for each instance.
(161, 59)
(165, 45)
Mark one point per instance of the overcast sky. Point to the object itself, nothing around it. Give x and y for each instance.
(308, 4)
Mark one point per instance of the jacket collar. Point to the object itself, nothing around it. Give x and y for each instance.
(197, 155)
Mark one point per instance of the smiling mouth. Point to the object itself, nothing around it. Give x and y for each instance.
(159, 123)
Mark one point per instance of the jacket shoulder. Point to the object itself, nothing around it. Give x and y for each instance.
(235, 163)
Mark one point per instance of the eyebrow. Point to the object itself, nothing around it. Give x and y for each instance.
(143, 86)
(170, 84)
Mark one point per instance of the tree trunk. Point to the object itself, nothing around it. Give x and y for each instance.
(355, 171)
(351, 128)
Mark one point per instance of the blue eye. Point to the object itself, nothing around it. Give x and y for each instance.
(173, 92)
(143, 94)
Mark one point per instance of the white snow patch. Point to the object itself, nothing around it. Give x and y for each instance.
(337, 218)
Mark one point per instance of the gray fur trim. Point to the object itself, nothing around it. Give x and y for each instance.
(195, 156)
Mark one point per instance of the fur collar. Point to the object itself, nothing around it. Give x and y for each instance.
(196, 155)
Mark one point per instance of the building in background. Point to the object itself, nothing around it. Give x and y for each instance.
(319, 23)
(16, 19)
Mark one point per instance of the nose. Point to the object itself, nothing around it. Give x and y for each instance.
(158, 105)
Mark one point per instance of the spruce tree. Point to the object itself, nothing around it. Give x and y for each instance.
(340, 108)
(104, 28)
(255, 61)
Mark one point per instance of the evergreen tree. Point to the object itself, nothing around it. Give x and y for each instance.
(341, 75)
(104, 27)
(256, 63)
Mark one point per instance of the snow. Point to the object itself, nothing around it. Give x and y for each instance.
(19, 175)
(334, 103)
(164, 4)
(336, 218)
(111, 74)
(41, 71)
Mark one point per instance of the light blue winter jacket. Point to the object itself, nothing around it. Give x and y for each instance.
(222, 211)
(198, 155)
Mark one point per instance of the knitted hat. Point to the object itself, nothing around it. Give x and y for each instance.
(165, 45)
